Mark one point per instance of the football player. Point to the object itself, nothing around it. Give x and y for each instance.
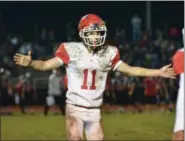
(178, 64)
(87, 65)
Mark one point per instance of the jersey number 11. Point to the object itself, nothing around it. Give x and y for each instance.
(84, 86)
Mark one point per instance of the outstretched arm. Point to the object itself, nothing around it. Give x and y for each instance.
(165, 71)
(45, 65)
(26, 61)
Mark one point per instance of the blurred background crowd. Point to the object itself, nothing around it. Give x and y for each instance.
(141, 42)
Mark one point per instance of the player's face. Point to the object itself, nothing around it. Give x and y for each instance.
(94, 37)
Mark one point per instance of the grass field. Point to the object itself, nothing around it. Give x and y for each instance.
(124, 126)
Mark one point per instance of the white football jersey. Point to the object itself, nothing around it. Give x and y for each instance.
(178, 65)
(87, 72)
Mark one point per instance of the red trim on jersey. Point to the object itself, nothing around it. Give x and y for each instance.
(116, 59)
(62, 54)
(178, 62)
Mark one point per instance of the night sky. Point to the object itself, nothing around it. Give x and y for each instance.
(21, 16)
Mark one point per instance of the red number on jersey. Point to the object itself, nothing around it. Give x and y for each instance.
(84, 86)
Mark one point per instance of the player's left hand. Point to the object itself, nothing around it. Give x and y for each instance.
(167, 72)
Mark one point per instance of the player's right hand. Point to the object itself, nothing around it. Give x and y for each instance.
(23, 60)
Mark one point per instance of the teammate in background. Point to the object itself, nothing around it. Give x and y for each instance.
(54, 92)
(178, 64)
(87, 64)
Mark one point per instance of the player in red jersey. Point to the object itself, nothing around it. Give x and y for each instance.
(87, 65)
(178, 64)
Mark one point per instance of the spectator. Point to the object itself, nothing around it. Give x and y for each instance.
(162, 94)
(108, 97)
(136, 94)
(136, 28)
(43, 37)
(174, 33)
(145, 40)
(6, 92)
(150, 92)
(29, 91)
(25, 47)
(172, 87)
(120, 89)
(19, 94)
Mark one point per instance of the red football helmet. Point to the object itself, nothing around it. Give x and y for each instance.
(92, 30)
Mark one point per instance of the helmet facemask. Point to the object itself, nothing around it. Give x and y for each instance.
(94, 35)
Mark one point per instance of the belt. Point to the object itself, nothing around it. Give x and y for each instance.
(86, 107)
